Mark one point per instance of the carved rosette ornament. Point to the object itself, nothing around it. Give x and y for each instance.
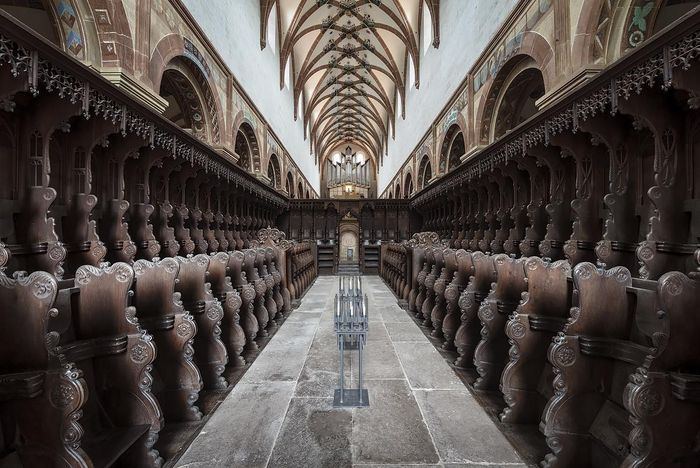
(4, 256)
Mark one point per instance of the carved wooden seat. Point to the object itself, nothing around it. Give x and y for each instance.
(415, 253)
(114, 231)
(447, 266)
(35, 245)
(182, 233)
(232, 334)
(264, 272)
(277, 253)
(246, 291)
(121, 418)
(258, 282)
(169, 246)
(33, 382)
(542, 313)
(433, 258)
(468, 333)
(80, 239)
(302, 268)
(613, 328)
(141, 230)
(271, 259)
(664, 392)
(464, 269)
(491, 354)
(176, 379)
(209, 351)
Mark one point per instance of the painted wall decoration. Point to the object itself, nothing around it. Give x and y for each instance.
(511, 43)
(70, 27)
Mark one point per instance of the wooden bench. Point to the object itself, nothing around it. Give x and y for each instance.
(246, 291)
(613, 327)
(121, 418)
(526, 381)
(464, 270)
(468, 333)
(41, 397)
(176, 379)
(232, 334)
(209, 351)
(491, 354)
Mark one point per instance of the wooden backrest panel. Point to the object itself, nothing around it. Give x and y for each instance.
(604, 307)
(154, 287)
(548, 291)
(26, 309)
(103, 301)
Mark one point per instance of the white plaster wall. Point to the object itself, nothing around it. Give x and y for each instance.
(233, 27)
(465, 30)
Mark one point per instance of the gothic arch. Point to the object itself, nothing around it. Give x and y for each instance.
(408, 185)
(170, 54)
(300, 190)
(520, 82)
(452, 148)
(274, 172)
(289, 185)
(247, 148)
(425, 172)
(534, 48)
(592, 30)
(397, 190)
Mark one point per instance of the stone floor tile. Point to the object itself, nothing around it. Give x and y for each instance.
(462, 432)
(425, 368)
(314, 434)
(392, 429)
(405, 331)
(243, 429)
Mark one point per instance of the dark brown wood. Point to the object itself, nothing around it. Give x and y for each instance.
(160, 312)
(209, 351)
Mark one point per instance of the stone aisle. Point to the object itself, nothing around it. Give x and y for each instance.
(281, 412)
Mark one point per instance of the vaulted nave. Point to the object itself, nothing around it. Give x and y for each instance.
(350, 233)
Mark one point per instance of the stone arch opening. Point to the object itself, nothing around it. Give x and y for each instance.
(425, 172)
(408, 185)
(452, 148)
(349, 239)
(289, 185)
(300, 190)
(273, 171)
(247, 148)
(517, 101)
(191, 104)
(512, 98)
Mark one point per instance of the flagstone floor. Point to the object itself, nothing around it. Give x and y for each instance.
(280, 414)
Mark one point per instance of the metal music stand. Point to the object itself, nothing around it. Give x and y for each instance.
(351, 325)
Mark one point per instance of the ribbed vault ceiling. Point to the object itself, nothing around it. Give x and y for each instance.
(348, 61)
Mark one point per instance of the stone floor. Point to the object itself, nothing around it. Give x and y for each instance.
(280, 414)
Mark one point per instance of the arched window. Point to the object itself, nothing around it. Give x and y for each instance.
(191, 104)
(246, 147)
(512, 98)
(300, 190)
(397, 191)
(452, 149)
(425, 172)
(289, 185)
(408, 186)
(273, 171)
